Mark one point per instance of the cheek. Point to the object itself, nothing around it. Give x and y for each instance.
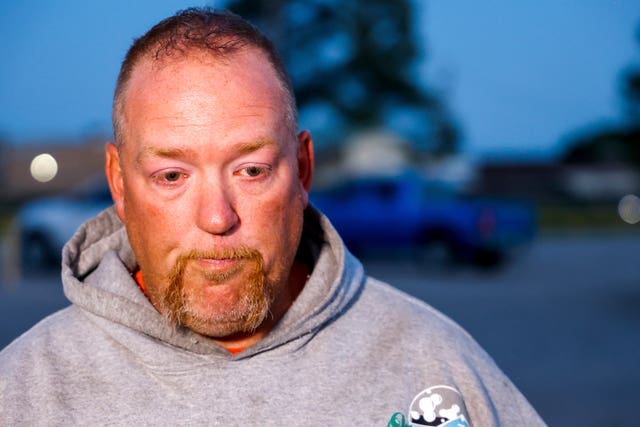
(152, 229)
(277, 222)
(140, 215)
(150, 212)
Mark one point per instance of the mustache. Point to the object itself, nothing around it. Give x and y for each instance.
(241, 252)
(238, 253)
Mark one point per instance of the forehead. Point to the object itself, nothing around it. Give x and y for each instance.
(197, 89)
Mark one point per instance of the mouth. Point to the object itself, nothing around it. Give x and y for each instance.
(218, 264)
(219, 270)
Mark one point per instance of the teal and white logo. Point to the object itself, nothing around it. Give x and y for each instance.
(440, 405)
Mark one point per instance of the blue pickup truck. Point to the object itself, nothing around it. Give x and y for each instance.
(406, 212)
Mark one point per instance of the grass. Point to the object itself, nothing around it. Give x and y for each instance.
(5, 219)
(6, 216)
(577, 217)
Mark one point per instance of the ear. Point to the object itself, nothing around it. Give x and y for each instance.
(113, 172)
(305, 160)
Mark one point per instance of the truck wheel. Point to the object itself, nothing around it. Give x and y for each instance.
(489, 258)
(437, 249)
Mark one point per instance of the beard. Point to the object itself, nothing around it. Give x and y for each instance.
(182, 305)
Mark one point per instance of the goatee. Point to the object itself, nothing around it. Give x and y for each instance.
(244, 316)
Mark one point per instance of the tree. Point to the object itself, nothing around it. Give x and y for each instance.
(351, 61)
(614, 143)
(631, 91)
(609, 145)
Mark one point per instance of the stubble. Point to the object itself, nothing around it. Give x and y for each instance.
(244, 316)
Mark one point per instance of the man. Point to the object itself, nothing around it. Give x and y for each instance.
(212, 293)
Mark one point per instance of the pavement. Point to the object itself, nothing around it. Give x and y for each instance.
(562, 319)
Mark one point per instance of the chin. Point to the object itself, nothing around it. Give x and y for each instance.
(218, 323)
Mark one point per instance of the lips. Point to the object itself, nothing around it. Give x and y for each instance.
(218, 263)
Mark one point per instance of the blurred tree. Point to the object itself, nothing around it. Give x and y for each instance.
(352, 63)
(609, 145)
(631, 90)
(614, 143)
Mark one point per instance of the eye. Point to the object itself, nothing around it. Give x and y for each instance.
(254, 171)
(171, 176)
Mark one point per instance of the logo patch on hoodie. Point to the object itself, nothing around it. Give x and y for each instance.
(439, 405)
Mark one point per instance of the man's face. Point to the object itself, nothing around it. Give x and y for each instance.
(211, 184)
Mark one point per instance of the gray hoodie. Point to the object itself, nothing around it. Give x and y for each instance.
(350, 351)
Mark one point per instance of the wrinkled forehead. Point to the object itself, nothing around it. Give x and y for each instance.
(200, 88)
(246, 72)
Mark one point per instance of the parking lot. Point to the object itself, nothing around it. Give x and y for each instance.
(562, 319)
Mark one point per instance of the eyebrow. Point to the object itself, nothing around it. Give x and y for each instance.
(249, 147)
(181, 153)
(168, 153)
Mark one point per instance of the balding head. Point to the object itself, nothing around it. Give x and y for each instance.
(193, 33)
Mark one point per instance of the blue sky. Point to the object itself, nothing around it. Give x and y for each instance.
(518, 75)
(522, 75)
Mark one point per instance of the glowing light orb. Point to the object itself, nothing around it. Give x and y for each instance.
(44, 167)
(629, 209)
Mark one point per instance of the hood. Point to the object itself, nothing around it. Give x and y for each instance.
(96, 274)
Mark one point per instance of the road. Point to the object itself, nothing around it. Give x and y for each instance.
(562, 319)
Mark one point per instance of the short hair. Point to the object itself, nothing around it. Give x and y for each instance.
(219, 33)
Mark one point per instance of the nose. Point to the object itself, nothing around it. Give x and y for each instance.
(216, 212)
